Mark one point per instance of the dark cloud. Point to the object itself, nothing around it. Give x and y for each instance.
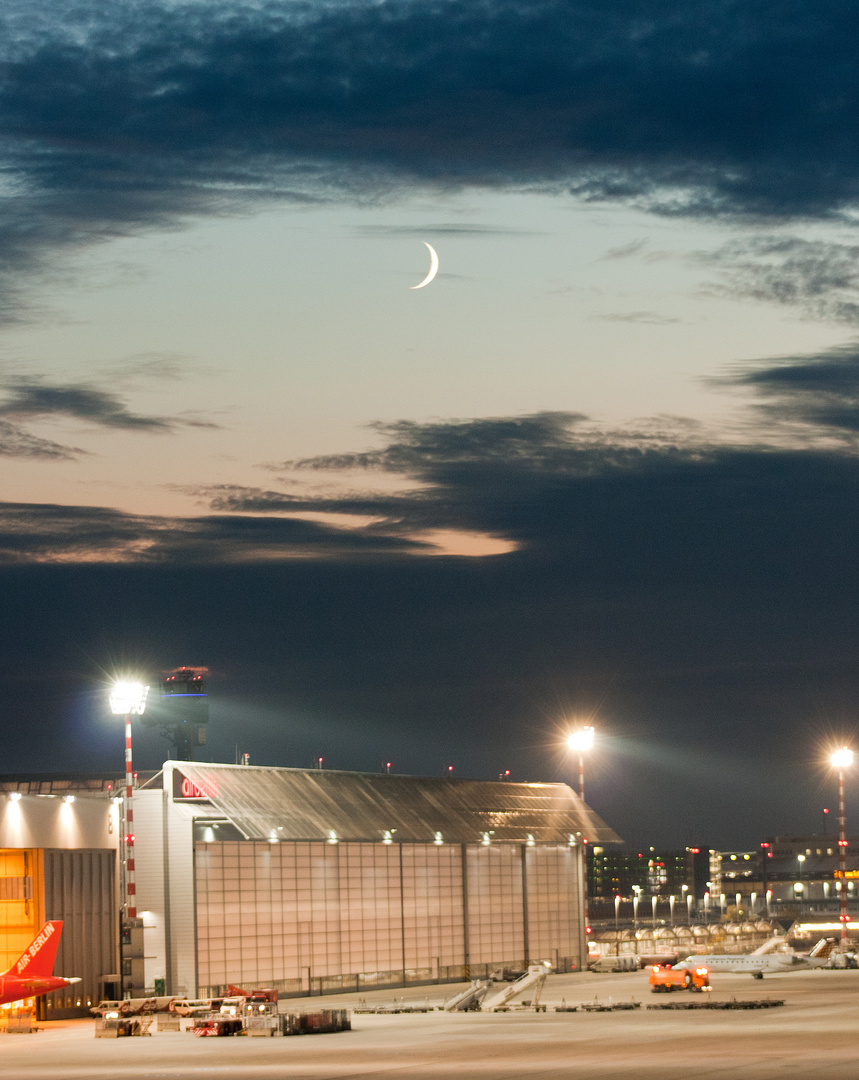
(820, 391)
(34, 533)
(38, 400)
(816, 278)
(627, 251)
(144, 114)
(18, 443)
(470, 230)
(648, 318)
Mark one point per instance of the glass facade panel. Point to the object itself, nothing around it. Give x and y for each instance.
(553, 903)
(298, 914)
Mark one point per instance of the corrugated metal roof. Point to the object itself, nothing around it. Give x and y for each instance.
(309, 804)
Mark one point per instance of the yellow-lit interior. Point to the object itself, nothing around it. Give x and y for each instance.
(20, 919)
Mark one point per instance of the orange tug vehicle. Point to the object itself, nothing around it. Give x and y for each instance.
(664, 978)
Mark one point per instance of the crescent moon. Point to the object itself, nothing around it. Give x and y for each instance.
(433, 270)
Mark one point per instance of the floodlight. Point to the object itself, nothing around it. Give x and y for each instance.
(582, 739)
(127, 698)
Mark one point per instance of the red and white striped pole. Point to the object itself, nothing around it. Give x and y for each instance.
(129, 698)
(130, 891)
(842, 759)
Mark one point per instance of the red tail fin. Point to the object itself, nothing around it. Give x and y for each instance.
(39, 956)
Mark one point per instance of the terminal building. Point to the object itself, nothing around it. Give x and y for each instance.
(303, 880)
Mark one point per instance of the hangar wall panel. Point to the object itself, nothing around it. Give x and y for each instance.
(495, 909)
(178, 875)
(554, 906)
(432, 907)
(80, 889)
(149, 882)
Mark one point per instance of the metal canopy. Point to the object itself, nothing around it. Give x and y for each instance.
(307, 804)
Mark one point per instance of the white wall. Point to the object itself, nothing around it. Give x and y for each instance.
(47, 821)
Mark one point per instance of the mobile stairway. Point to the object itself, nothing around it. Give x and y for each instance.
(533, 980)
(469, 999)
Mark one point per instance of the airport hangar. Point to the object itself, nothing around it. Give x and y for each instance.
(305, 880)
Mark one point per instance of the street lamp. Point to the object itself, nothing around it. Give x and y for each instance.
(842, 759)
(582, 740)
(801, 891)
(128, 699)
(616, 924)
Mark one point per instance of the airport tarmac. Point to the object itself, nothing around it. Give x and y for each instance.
(816, 1032)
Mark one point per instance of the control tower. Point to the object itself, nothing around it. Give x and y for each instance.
(183, 712)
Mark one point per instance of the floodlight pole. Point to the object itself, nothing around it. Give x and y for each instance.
(841, 759)
(130, 890)
(127, 698)
(843, 915)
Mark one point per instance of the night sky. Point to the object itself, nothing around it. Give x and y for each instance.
(603, 469)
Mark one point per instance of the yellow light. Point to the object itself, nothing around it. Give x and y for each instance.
(843, 758)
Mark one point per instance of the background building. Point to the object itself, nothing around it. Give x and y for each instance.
(649, 871)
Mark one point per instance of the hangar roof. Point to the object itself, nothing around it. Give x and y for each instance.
(309, 804)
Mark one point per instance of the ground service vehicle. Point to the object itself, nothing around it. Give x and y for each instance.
(664, 978)
(235, 1011)
(184, 1007)
(132, 1006)
(614, 963)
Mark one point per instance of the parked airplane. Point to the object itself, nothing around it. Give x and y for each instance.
(768, 959)
(31, 974)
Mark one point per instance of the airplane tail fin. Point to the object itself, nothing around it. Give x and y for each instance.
(822, 949)
(39, 956)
